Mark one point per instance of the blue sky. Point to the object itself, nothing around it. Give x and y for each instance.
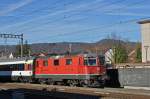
(72, 20)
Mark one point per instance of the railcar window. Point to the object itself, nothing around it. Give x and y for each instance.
(13, 67)
(20, 66)
(29, 66)
(45, 63)
(5, 68)
(56, 62)
(68, 61)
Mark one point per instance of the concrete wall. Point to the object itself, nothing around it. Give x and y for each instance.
(145, 33)
(137, 77)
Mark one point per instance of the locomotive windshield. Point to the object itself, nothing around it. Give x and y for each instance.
(90, 61)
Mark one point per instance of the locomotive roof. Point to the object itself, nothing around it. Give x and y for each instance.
(69, 55)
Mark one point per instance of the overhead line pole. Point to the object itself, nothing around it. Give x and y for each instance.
(21, 45)
(15, 37)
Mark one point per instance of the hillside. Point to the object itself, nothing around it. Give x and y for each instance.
(77, 47)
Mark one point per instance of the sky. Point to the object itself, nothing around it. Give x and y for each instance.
(72, 20)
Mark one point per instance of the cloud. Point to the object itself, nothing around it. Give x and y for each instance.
(12, 7)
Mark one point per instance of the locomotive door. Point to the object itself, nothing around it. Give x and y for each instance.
(45, 67)
(80, 65)
(37, 67)
(69, 65)
(56, 63)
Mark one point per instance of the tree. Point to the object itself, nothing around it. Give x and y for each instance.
(26, 49)
(138, 53)
(18, 50)
(120, 53)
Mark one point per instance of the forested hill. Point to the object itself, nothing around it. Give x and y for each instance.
(77, 47)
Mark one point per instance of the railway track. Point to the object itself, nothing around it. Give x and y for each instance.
(106, 93)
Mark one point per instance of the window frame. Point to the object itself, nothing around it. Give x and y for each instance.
(45, 63)
(86, 61)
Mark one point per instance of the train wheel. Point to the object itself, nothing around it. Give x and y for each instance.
(30, 80)
(84, 83)
(50, 82)
(20, 79)
(59, 83)
(72, 83)
(41, 81)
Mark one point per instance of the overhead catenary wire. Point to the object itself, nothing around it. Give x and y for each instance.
(46, 8)
(57, 19)
(84, 30)
(38, 18)
(65, 16)
(62, 18)
(99, 27)
(125, 6)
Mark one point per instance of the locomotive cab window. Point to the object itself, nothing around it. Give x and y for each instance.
(90, 61)
(56, 62)
(68, 61)
(45, 62)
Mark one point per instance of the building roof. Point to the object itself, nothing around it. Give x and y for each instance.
(144, 21)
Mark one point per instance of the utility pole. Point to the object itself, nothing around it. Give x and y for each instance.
(29, 53)
(5, 50)
(70, 48)
(12, 36)
(21, 45)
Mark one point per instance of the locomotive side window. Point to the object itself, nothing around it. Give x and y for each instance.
(45, 63)
(56, 62)
(90, 61)
(68, 61)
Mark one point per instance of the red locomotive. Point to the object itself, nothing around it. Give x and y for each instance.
(73, 70)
